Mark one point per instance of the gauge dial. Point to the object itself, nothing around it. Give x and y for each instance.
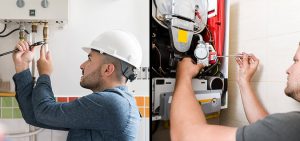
(201, 51)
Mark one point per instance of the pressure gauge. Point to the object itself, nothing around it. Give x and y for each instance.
(201, 52)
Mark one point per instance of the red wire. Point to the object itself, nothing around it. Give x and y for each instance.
(198, 15)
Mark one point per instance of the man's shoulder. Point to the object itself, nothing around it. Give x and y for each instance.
(281, 120)
(111, 96)
(290, 116)
(273, 127)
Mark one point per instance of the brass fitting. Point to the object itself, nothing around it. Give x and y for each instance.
(45, 32)
(22, 33)
(34, 27)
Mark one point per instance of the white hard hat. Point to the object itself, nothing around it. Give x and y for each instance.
(119, 44)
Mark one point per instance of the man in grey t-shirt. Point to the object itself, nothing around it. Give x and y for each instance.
(188, 122)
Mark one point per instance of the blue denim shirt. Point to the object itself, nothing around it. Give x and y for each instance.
(110, 115)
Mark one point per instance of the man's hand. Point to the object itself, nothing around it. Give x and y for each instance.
(44, 64)
(252, 106)
(23, 57)
(186, 68)
(247, 67)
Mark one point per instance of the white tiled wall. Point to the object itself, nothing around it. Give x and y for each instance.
(271, 30)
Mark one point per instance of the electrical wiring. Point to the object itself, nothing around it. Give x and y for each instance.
(10, 32)
(5, 25)
(216, 71)
(210, 68)
(205, 25)
(156, 71)
(212, 41)
(221, 75)
(160, 68)
(199, 17)
(2, 36)
(43, 45)
(216, 65)
(26, 31)
(31, 46)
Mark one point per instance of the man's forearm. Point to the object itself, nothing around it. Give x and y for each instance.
(185, 110)
(24, 86)
(188, 122)
(253, 108)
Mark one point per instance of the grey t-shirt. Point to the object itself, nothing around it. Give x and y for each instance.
(275, 127)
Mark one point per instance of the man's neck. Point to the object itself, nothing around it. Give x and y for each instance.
(108, 86)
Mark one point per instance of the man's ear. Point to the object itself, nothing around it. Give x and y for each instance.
(108, 69)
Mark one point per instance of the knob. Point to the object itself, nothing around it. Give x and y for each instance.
(45, 3)
(20, 3)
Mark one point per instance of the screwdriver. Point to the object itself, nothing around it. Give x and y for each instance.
(15, 50)
(239, 55)
(230, 56)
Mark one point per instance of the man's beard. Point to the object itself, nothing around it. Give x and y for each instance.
(91, 81)
(293, 91)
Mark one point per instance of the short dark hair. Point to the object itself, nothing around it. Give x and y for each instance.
(122, 68)
(115, 62)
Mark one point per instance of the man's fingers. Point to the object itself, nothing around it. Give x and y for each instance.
(19, 47)
(22, 46)
(26, 45)
(49, 57)
(253, 57)
(32, 48)
(42, 52)
(239, 61)
(28, 42)
(245, 59)
(187, 59)
(200, 66)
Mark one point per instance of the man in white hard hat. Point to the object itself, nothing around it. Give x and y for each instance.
(188, 122)
(109, 113)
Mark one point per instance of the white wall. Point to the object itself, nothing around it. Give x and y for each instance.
(87, 19)
(269, 29)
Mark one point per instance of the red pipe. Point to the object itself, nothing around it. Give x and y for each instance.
(216, 25)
